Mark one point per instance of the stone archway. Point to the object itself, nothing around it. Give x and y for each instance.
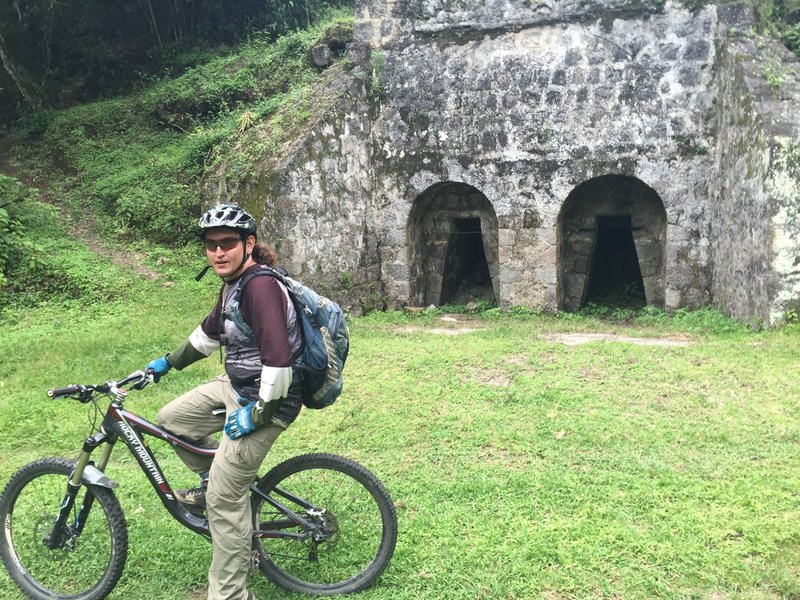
(453, 249)
(612, 234)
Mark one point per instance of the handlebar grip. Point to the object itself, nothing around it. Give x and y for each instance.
(65, 391)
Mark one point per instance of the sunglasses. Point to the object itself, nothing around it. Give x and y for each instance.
(225, 243)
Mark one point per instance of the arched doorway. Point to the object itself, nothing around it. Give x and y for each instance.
(611, 245)
(452, 233)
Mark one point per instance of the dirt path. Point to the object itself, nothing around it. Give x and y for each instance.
(86, 231)
(88, 234)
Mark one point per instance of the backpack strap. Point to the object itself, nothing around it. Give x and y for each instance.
(252, 275)
(235, 314)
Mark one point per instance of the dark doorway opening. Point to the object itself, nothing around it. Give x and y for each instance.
(615, 278)
(612, 233)
(466, 275)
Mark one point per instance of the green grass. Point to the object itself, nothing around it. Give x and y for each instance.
(521, 467)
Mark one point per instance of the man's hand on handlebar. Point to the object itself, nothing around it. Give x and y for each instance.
(158, 367)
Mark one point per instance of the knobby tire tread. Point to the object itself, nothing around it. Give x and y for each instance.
(380, 496)
(111, 512)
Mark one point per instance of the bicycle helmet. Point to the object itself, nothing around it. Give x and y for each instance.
(227, 215)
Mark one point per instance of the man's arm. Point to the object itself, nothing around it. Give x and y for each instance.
(264, 307)
(202, 342)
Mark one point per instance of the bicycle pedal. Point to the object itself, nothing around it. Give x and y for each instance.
(197, 511)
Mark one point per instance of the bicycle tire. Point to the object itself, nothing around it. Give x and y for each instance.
(357, 505)
(86, 567)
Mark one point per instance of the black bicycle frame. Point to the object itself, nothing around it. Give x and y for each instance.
(119, 423)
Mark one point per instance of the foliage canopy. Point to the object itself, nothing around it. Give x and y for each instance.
(58, 53)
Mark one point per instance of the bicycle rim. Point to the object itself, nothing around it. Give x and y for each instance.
(85, 566)
(356, 512)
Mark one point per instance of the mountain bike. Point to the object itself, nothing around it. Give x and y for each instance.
(323, 524)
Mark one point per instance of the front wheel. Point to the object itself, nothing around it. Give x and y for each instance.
(353, 525)
(90, 557)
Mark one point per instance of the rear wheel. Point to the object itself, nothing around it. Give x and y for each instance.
(354, 525)
(87, 564)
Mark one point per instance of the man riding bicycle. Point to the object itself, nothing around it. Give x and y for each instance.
(256, 392)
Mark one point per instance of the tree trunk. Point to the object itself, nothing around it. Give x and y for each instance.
(151, 17)
(13, 72)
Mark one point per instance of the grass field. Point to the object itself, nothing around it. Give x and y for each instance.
(528, 456)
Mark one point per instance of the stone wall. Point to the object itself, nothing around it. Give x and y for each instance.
(526, 104)
(756, 189)
(540, 119)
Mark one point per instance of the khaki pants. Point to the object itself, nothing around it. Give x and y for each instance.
(231, 472)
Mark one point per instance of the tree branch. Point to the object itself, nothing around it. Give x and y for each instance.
(9, 67)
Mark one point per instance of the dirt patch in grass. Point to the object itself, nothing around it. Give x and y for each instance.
(451, 325)
(491, 378)
(437, 330)
(459, 325)
(575, 339)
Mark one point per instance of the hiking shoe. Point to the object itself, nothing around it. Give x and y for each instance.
(194, 499)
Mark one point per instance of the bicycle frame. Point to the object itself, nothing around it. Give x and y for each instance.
(120, 424)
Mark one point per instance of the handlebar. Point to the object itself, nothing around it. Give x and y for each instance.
(65, 391)
(84, 393)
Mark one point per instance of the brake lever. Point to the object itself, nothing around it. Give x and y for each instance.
(85, 395)
(144, 381)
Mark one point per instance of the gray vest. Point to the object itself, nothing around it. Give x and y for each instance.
(242, 357)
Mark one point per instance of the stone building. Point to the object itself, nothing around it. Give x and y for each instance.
(542, 153)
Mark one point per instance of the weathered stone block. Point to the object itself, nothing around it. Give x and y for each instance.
(581, 265)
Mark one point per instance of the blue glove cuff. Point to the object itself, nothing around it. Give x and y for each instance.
(239, 422)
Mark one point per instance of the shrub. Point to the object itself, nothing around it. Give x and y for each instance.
(21, 217)
(781, 20)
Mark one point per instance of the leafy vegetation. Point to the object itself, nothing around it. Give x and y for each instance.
(135, 163)
(565, 456)
(46, 263)
(781, 20)
(22, 221)
(130, 168)
(54, 54)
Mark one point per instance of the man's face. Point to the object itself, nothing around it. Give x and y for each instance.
(225, 250)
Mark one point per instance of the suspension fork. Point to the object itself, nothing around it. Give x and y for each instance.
(61, 530)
